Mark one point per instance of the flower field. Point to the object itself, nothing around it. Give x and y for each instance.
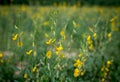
(59, 43)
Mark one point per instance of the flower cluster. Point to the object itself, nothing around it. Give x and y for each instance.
(17, 37)
(90, 42)
(105, 70)
(79, 63)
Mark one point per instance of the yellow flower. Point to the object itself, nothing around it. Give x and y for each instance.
(107, 69)
(23, 8)
(1, 61)
(20, 44)
(46, 35)
(49, 42)
(109, 35)
(91, 47)
(25, 75)
(105, 74)
(82, 73)
(62, 33)
(62, 55)
(76, 72)
(102, 69)
(78, 63)
(46, 23)
(103, 80)
(49, 54)
(1, 55)
(94, 35)
(89, 40)
(29, 52)
(113, 19)
(59, 48)
(108, 62)
(34, 69)
(80, 55)
(114, 27)
(57, 52)
(15, 37)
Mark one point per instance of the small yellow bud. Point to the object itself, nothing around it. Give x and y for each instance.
(62, 33)
(20, 44)
(102, 69)
(91, 47)
(95, 35)
(107, 69)
(109, 35)
(25, 75)
(15, 37)
(1, 61)
(103, 80)
(105, 74)
(49, 54)
(108, 62)
(1, 55)
(80, 55)
(46, 23)
(82, 73)
(62, 55)
(34, 69)
(46, 35)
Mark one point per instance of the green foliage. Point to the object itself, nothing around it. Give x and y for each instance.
(62, 44)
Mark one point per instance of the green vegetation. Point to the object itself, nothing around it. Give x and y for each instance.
(59, 44)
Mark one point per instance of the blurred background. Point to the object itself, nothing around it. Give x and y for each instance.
(69, 2)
